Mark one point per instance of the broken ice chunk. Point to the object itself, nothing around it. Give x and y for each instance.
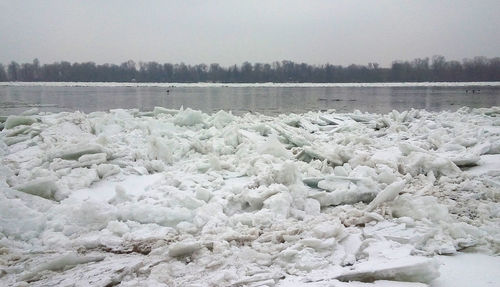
(274, 147)
(318, 244)
(344, 196)
(189, 117)
(343, 191)
(30, 112)
(421, 163)
(461, 156)
(333, 155)
(44, 187)
(465, 159)
(105, 170)
(398, 232)
(13, 121)
(120, 196)
(412, 269)
(312, 207)
(17, 139)
(420, 207)
(62, 262)
(362, 118)
(118, 227)
(222, 119)
(331, 120)
(292, 137)
(332, 228)
(73, 152)
(91, 159)
(312, 181)
(388, 194)
(17, 131)
(161, 110)
(255, 197)
(183, 248)
(279, 203)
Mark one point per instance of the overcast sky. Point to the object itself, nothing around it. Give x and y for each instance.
(230, 32)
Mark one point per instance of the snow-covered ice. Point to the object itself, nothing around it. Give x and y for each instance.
(183, 198)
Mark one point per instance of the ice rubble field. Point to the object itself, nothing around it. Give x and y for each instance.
(182, 198)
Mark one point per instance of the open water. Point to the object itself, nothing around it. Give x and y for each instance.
(266, 100)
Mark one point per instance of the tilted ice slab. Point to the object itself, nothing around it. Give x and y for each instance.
(179, 197)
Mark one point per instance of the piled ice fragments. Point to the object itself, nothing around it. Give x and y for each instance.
(182, 198)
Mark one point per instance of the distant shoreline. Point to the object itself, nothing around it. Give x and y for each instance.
(246, 85)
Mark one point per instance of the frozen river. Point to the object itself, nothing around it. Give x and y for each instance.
(268, 99)
(184, 198)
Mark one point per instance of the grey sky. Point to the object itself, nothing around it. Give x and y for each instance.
(230, 32)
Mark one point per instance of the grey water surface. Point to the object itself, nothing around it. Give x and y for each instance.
(266, 100)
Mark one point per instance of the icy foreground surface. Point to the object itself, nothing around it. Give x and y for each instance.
(182, 198)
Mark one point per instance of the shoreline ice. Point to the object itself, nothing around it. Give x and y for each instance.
(246, 85)
(183, 198)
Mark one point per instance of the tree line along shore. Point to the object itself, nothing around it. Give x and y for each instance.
(434, 69)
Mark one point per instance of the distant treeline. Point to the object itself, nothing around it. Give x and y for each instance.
(436, 69)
